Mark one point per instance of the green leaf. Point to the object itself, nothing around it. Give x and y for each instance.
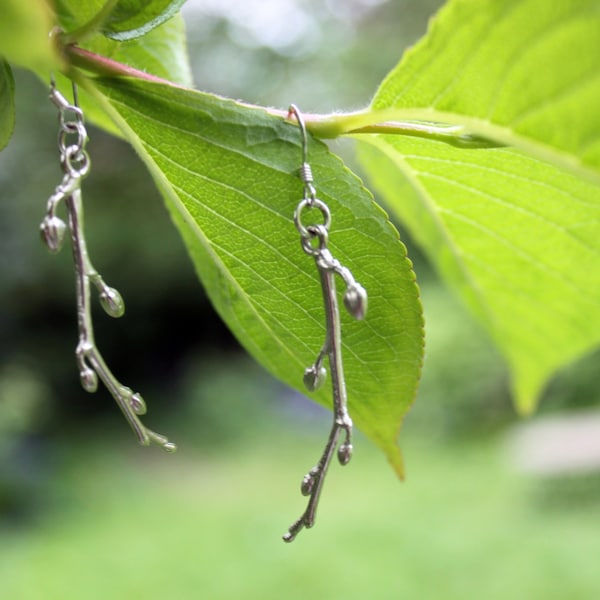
(229, 175)
(131, 19)
(162, 52)
(7, 104)
(514, 230)
(24, 34)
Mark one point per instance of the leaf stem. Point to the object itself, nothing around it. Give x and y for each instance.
(370, 121)
(322, 126)
(107, 67)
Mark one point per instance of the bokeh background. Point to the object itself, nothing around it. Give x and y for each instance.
(490, 508)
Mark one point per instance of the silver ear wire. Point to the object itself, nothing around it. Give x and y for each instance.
(314, 240)
(305, 170)
(75, 162)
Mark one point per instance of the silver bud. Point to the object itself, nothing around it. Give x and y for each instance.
(355, 301)
(307, 484)
(89, 380)
(344, 453)
(52, 231)
(169, 447)
(314, 377)
(137, 404)
(112, 302)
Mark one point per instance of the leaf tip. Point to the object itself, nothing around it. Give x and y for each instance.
(526, 395)
(394, 456)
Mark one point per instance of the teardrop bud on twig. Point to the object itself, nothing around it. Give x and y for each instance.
(314, 377)
(344, 453)
(355, 301)
(112, 302)
(89, 380)
(137, 404)
(52, 231)
(307, 484)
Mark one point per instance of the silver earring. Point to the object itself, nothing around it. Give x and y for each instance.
(75, 163)
(314, 241)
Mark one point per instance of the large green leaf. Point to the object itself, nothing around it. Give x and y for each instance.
(161, 52)
(514, 229)
(121, 20)
(229, 177)
(7, 104)
(131, 19)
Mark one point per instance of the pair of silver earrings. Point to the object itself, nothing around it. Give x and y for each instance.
(314, 238)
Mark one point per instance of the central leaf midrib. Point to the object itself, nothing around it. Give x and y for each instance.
(480, 128)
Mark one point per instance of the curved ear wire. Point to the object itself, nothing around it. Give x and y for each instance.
(314, 241)
(306, 175)
(293, 110)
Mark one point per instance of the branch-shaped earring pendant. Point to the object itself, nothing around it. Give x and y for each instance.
(314, 240)
(75, 163)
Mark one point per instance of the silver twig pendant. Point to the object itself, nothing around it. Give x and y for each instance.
(75, 163)
(314, 240)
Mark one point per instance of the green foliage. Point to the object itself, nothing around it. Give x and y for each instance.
(490, 134)
(513, 229)
(131, 19)
(120, 20)
(161, 52)
(24, 39)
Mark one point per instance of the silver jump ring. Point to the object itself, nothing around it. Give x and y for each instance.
(311, 203)
(315, 232)
(76, 162)
(71, 128)
(75, 111)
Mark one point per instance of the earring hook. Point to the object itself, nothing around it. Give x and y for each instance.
(294, 110)
(306, 175)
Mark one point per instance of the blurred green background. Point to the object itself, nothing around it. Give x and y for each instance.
(85, 513)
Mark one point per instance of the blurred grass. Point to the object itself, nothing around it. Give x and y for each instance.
(138, 524)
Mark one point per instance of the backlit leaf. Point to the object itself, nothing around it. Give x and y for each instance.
(515, 230)
(131, 19)
(24, 34)
(229, 175)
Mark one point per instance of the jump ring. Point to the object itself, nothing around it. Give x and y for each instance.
(311, 203)
(76, 162)
(71, 128)
(315, 232)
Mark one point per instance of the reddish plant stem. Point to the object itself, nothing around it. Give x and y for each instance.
(104, 66)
